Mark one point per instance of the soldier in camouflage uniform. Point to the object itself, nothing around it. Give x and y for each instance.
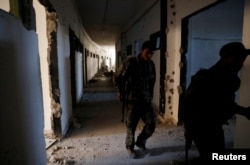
(135, 81)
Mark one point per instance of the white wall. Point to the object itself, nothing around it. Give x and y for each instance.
(182, 8)
(208, 31)
(5, 5)
(141, 31)
(242, 134)
(63, 48)
(68, 17)
(22, 140)
(111, 53)
(91, 67)
(223, 24)
(144, 27)
(41, 28)
(79, 76)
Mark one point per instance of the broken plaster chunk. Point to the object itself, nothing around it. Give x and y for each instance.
(57, 92)
(52, 159)
(68, 162)
(55, 148)
(56, 109)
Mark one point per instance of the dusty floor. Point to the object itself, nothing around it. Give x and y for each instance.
(100, 139)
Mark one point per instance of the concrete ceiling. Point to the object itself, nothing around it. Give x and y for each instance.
(104, 20)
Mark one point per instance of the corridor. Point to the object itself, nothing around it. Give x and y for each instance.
(50, 48)
(98, 136)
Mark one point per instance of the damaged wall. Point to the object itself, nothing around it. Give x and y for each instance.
(22, 140)
(57, 93)
(51, 22)
(242, 134)
(176, 11)
(68, 18)
(209, 29)
(48, 102)
(92, 61)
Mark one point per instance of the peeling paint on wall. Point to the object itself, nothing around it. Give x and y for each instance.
(176, 11)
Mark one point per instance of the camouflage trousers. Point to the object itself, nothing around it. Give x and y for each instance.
(135, 112)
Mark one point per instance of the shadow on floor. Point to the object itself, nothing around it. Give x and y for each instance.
(101, 137)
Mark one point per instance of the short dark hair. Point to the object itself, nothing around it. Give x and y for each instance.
(148, 44)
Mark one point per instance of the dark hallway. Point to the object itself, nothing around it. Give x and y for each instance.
(51, 49)
(100, 139)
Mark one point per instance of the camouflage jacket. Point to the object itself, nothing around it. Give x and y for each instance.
(135, 79)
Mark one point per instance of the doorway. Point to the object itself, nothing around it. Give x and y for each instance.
(203, 34)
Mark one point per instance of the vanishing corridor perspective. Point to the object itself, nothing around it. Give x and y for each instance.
(56, 65)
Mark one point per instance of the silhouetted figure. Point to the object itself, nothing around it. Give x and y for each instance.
(135, 81)
(210, 101)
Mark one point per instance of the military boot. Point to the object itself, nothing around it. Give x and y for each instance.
(131, 153)
(142, 148)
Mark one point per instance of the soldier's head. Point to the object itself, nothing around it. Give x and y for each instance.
(147, 50)
(233, 55)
